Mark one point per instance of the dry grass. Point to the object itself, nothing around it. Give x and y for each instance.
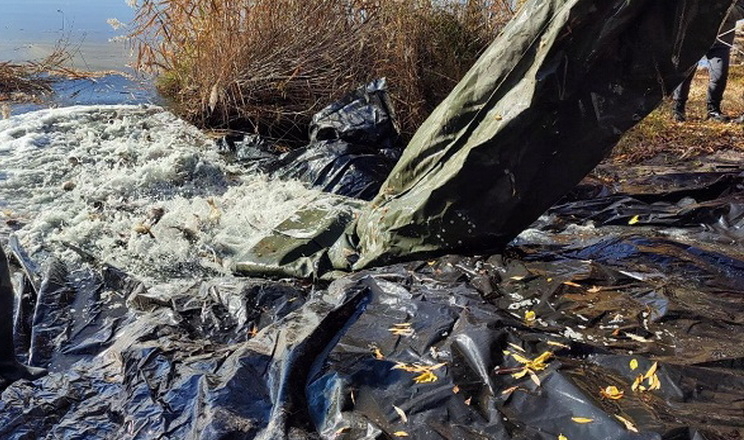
(271, 64)
(658, 136)
(29, 80)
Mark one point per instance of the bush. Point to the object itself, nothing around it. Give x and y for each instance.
(268, 65)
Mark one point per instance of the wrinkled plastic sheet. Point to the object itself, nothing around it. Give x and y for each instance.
(542, 106)
(353, 146)
(615, 295)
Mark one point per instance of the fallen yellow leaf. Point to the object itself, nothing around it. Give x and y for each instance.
(535, 378)
(654, 383)
(651, 371)
(558, 344)
(562, 437)
(633, 364)
(400, 434)
(376, 352)
(529, 317)
(403, 329)
(612, 392)
(516, 347)
(582, 420)
(426, 377)
(509, 390)
(634, 220)
(571, 283)
(401, 414)
(628, 424)
(455, 389)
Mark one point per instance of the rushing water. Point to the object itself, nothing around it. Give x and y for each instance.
(134, 187)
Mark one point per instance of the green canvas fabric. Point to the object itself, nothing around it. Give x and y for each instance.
(540, 109)
(537, 112)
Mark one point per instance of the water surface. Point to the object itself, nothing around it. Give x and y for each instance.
(32, 28)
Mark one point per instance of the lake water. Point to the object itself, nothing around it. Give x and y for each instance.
(31, 29)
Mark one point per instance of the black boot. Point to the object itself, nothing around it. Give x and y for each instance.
(678, 112)
(10, 369)
(715, 114)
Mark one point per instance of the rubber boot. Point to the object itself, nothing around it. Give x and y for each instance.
(715, 114)
(678, 112)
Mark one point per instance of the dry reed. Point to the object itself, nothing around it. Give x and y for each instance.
(271, 64)
(28, 80)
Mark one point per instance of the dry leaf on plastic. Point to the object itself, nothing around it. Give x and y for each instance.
(455, 389)
(401, 414)
(509, 390)
(654, 383)
(612, 393)
(534, 377)
(633, 364)
(400, 434)
(582, 420)
(403, 329)
(634, 220)
(634, 337)
(651, 370)
(425, 372)
(376, 352)
(340, 431)
(572, 284)
(637, 384)
(628, 424)
(530, 366)
(516, 347)
(558, 344)
(562, 437)
(426, 377)
(530, 317)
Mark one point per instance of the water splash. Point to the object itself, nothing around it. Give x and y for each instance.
(135, 187)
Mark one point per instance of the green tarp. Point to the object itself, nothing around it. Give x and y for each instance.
(543, 106)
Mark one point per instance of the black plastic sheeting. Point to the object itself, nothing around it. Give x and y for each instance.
(353, 146)
(622, 280)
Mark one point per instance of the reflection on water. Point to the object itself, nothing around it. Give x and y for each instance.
(31, 29)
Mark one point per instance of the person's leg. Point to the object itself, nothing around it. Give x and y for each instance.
(680, 98)
(718, 58)
(10, 369)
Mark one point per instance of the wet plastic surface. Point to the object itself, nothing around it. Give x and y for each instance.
(541, 108)
(353, 146)
(441, 349)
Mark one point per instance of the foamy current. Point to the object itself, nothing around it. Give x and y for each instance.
(134, 187)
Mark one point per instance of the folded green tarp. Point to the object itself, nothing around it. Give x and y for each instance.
(543, 106)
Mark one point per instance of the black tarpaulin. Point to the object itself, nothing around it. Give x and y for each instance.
(519, 345)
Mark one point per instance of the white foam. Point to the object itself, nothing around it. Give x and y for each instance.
(125, 162)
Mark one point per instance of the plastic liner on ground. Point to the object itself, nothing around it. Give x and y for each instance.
(585, 329)
(542, 106)
(353, 146)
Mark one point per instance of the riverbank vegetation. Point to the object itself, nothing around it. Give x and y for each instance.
(28, 81)
(269, 65)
